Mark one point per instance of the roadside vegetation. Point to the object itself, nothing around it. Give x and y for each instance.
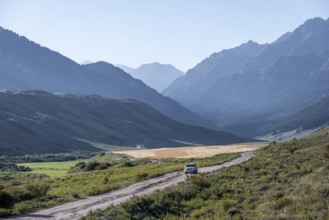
(38, 187)
(288, 180)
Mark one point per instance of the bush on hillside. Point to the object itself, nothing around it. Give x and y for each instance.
(38, 190)
(92, 166)
(141, 176)
(82, 166)
(128, 163)
(200, 182)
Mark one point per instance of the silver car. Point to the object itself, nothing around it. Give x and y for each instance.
(191, 168)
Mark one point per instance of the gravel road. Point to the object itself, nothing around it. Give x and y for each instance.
(77, 209)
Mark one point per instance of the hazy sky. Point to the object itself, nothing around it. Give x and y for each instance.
(180, 32)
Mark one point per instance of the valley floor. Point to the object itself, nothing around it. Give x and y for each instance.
(288, 180)
(192, 152)
(77, 209)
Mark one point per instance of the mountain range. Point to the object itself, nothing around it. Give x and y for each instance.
(34, 121)
(258, 83)
(26, 65)
(156, 75)
(311, 117)
(52, 104)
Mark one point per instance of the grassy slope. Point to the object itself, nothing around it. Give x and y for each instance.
(83, 184)
(285, 181)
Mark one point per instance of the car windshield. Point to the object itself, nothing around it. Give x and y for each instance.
(190, 165)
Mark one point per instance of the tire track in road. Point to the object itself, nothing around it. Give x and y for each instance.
(77, 209)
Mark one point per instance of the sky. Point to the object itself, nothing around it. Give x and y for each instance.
(135, 32)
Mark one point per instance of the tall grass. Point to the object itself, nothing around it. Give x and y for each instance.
(289, 180)
(80, 183)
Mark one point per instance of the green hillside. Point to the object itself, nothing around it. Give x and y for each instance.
(284, 181)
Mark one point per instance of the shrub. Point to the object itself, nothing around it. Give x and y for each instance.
(234, 211)
(6, 200)
(281, 204)
(20, 194)
(106, 180)
(81, 165)
(128, 164)
(92, 166)
(75, 195)
(5, 212)
(141, 176)
(228, 204)
(38, 190)
(199, 182)
(102, 167)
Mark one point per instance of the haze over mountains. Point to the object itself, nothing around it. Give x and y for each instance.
(39, 122)
(26, 65)
(253, 83)
(311, 117)
(156, 75)
(250, 90)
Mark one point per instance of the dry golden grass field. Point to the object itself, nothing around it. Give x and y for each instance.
(192, 152)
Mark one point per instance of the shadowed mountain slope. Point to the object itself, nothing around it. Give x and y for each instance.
(26, 65)
(311, 117)
(39, 122)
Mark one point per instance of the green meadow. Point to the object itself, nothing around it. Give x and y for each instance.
(52, 169)
(54, 183)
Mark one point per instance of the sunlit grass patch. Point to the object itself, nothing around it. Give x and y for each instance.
(288, 180)
(52, 169)
(79, 182)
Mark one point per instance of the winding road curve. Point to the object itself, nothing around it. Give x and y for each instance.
(77, 209)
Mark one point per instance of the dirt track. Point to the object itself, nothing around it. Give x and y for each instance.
(77, 209)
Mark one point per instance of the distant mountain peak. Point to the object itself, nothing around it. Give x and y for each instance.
(101, 62)
(312, 26)
(105, 64)
(86, 62)
(314, 21)
(156, 65)
(251, 42)
(157, 75)
(125, 68)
